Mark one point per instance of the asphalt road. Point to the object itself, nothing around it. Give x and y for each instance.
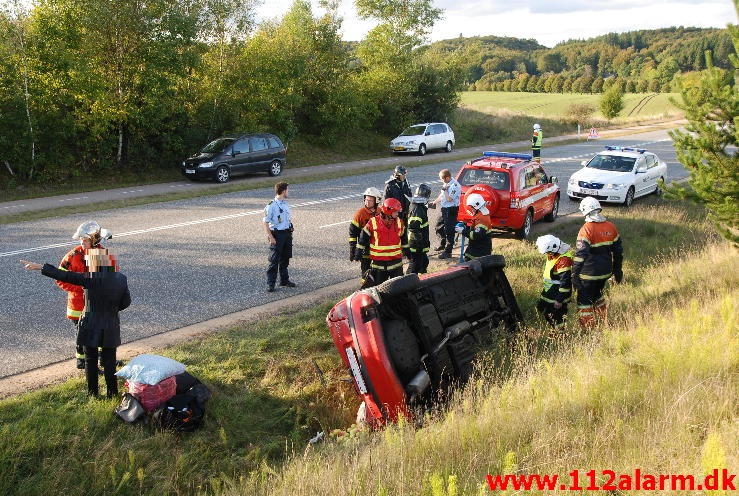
(193, 260)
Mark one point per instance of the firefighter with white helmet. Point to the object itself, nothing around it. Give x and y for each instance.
(89, 234)
(479, 232)
(372, 198)
(536, 140)
(598, 256)
(557, 277)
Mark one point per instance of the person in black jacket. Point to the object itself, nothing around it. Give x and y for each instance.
(418, 231)
(106, 294)
(397, 187)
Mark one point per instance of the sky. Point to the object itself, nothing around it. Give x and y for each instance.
(547, 21)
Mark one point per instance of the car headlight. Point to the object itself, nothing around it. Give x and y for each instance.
(614, 186)
(205, 164)
(413, 142)
(183, 163)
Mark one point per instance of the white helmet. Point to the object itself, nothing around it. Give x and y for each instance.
(476, 201)
(589, 204)
(537, 127)
(551, 244)
(372, 191)
(91, 230)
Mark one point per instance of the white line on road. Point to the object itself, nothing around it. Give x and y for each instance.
(72, 199)
(335, 224)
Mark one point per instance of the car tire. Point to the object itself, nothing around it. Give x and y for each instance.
(528, 222)
(398, 286)
(422, 149)
(275, 168)
(449, 147)
(552, 216)
(489, 262)
(629, 197)
(403, 348)
(223, 174)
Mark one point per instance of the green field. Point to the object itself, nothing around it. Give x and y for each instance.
(637, 106)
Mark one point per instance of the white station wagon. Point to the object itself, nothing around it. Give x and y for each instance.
(618, 175)
(420, 138)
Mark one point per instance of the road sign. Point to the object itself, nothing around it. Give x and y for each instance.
(593, 134)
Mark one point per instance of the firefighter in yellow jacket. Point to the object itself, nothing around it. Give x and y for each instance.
(557, 278)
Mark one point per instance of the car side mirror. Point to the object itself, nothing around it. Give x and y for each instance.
(641, 170)
(427, 133)
(584, 163)
(553, 180)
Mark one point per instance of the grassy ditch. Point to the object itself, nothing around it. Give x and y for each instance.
(558, 408)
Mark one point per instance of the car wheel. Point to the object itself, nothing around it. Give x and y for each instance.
(449, 147)
(629, 197)
(552, 216)
(525, 230)
(275, 168)
(223, 174)
(422, 149)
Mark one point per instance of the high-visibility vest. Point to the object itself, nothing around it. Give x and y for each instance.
(385, 240)
(548, 266)
(553, 286)
(538, 137)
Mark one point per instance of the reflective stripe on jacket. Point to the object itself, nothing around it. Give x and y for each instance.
(557, 277)
(536, 140)
(73, 261)
(598, 251)
(360, 219)
(480, 235)
(418, 228)
(384, 240)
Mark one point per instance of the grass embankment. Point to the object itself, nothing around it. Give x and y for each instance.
(648, 392)
(637, 106)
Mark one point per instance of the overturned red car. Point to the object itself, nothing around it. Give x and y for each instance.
(407, 340)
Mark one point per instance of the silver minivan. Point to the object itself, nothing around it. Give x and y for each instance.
(420, 138)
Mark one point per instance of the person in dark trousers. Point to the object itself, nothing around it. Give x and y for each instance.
(557, 276)
(418, 231)
(372, 199)
(90, 234)
(448, 199)
(279, 229)
(598, 257)
(383, 235)
(397, 187)
(536, 139)
(106, 294)
(479, 232)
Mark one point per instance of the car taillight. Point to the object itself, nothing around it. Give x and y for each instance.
(515, 203)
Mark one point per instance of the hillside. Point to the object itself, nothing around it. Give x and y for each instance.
(649, 55)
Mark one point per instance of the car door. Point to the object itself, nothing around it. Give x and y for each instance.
(653, 171)
(239, 155)
(543, 200)
(259, 156)
(641, 176)
(529, 192)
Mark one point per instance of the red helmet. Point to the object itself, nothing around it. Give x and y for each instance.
(390, 205)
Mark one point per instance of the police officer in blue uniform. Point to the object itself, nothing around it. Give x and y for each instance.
(279, 230)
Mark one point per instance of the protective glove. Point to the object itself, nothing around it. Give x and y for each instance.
(618, 276)
(358, 254)
(352, 249)
(459, 227)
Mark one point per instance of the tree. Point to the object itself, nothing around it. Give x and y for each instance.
(597, 85)
(612, 102)
(630, 86)
(705, 147)
(642, 86)
(580, 112)
(654, 86)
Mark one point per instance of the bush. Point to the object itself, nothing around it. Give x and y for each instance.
(580, 112)
(612, 102)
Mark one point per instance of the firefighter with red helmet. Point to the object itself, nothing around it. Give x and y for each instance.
(89, 234)
(372, 199)
(479, 232)
(383, 235)
(598, 257)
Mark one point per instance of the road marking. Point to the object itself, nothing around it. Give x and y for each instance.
(72, 199)
(335, 224)
(15, 206)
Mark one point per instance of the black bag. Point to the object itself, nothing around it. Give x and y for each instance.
(130, 410)
(182, 413)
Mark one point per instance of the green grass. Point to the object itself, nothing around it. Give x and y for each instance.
(587, 401)
(637, 106)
